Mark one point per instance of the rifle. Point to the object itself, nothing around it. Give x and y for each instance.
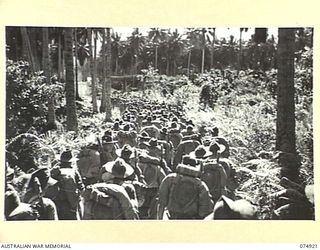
(38, 190)
(218, 156)
(101, 151)
(99, 144)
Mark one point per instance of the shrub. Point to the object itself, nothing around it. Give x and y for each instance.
(26, 98)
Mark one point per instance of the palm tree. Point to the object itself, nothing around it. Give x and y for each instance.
(136, 42)
(285, 129)
(46, 69)
(72, 124)
(155, 36)
(82, 48)
(108, 79)
(193, 38)
(92, 71)
(175, 49)
(115, 50)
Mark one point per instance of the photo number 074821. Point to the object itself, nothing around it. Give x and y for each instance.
(172, 123)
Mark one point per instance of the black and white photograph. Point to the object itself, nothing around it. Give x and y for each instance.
(158, 123)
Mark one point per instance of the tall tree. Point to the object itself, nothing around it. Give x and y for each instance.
(192, 40)
(72, 123)
(103, 54)
(212, 32)
(76, 63)
(260, 35)
(108, 79)
(61, 76)
(203, 45)
(174, 47)
(46, 69)
(115, 50)
(92, 71)
(285, 129)
(82, 49)
(28, 49)
(240, 47)
(197, 38)
(155, 36)
(136, 42)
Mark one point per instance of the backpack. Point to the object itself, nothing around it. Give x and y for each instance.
(104, 201)
(106, 156)
(152, 131)
(184, 192)
(150, 167)
(89, 163)
(224, 142)
(175, 138)
(127, 137)
(184, 148)
(68, 187)
(215, 177)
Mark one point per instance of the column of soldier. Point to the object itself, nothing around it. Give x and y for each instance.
(153, 163)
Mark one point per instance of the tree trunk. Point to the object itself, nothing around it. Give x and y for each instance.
(60, 72)
(33, 38)
(92, 71)
(64, 65)
(103, 96)
(108, 79)
(156, 59)
(27, 45)
(174, 67)
(240, 52)
(46, 69)
(168, 67)
(202, 62)
(189, 61)
(203, 50)
(212, 48)
(136, 65)
(94, 93)
(72, 124)
(285, 129)
(76, 63)
(117, 66)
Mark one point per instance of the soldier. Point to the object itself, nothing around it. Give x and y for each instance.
(129, 155)
(108, 149)
(41, 191)
(157, 151)
(17, 210)
(70, 184)
(175, 136)
(114, 198)
(127, 136)
(153, 175)
(227, 209)
(212, 172)
(182, 195)
(167, 146)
